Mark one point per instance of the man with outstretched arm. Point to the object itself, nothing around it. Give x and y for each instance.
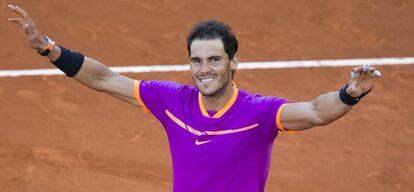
(220, 137)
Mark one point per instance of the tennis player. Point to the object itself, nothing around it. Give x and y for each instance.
(220, 137)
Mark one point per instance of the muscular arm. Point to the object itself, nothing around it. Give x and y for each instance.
(324, 109)
(93, 74)
(99, 77)
(327, 107)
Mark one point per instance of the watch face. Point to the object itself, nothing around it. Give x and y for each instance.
(48, 40)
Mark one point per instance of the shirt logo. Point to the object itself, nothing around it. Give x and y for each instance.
(201, 133)
(201, 142)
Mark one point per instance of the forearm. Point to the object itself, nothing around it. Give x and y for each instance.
(322, 110)
(93, 74)
(328, 107)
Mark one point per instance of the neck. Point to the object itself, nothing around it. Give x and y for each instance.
(220, 99)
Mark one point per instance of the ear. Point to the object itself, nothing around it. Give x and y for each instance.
(234, 62)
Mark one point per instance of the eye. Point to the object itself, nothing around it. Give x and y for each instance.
(196, 60)
(214, 59)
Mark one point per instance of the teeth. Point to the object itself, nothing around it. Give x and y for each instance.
(207, 80)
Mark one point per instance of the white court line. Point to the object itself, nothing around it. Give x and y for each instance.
(246, 65)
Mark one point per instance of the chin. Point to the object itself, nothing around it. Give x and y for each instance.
(211, 90)
(205, 91)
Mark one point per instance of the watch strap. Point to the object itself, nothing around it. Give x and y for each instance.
(49, 46)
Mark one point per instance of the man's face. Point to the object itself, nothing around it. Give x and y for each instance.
(210, 66)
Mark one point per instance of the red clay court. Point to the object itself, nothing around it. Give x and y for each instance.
(57, 135)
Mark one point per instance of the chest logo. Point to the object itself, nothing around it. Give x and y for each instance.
(201, 133)
(201, 142)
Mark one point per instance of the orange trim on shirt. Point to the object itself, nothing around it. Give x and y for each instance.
(278, 122)
(176, 120)
(199, 133)
(201, 104)
(290, 131)
(195, 131)
(228, 105)
(138, 96)
(182, 124)
(221, 111)
(229, 131)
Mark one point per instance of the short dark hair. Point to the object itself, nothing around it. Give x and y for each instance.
(211, 29)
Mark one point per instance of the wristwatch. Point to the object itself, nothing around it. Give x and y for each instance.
(49, 46)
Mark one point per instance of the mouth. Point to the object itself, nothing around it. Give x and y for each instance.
(206, 80)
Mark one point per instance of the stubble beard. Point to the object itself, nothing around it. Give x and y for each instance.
(216, 93)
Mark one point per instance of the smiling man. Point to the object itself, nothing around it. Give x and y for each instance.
(220, 137)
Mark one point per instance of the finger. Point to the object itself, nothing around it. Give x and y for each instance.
(23, 13)
(20, 11)
(14, 8)
(375, 73)
(368, 71)
(25, 16)
(25, 25)
(11, 7)
(366, 67)
(371, 69)
(357, 69)
(17, 20)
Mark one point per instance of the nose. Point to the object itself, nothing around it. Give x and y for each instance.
(205, 67)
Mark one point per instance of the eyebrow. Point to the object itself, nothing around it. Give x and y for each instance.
(194, 58)
(211, 57)
(215, 57)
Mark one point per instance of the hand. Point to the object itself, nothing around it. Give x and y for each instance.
(362, 80)
(35, 38)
